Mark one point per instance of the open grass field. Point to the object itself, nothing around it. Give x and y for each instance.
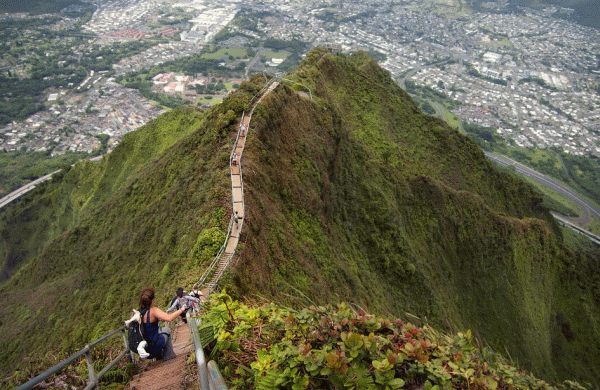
(225, 52)
(274, 54)
(207, 99)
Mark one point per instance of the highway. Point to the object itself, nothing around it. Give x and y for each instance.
(25, 189)
(588, 208)
(570, 224)
(30, 186)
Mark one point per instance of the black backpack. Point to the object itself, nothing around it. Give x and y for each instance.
(135, 333)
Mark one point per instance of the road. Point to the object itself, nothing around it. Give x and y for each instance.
(587, 207)
(590, 235)
(23, 190)
(251, 64)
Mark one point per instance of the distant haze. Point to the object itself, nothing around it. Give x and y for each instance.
(587, 12)
(36, 6)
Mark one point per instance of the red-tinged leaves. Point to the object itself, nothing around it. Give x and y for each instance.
(322, 349)
(306, 350)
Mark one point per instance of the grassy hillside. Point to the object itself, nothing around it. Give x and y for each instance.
(57, 206)
(91, 239)
(353, 196)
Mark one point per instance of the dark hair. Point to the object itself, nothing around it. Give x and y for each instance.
(146, 298)
(180, 292)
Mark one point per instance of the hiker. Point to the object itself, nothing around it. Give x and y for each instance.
(181, 299)
(177, 302)
(234, 161)
(196, 293)
(236, 217)
(160, 345)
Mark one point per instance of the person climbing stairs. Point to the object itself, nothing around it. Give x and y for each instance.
(166, 375)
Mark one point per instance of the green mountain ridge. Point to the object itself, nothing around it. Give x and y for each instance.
(352, 196)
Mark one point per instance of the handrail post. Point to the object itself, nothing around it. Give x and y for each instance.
(200, 359)
(92, 380)
(216, 379)
(127, 348)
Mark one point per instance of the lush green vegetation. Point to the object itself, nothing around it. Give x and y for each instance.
(291, 62)
(376, 203)
(276, 347)
(425, 93)
(20, 168)
(584, 172)
(143, 83)
(354, 196)
(294, 45)
(38, 7)
(150, 216)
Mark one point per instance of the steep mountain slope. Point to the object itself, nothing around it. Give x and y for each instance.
(351, 196)
(61, 204)
(356, 197)
(111, 228)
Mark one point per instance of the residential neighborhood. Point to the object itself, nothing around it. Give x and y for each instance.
(531, 74)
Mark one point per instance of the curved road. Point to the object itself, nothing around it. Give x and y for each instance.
(23, 190)
(588, 208)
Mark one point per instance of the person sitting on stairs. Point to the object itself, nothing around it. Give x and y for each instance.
(160, 345)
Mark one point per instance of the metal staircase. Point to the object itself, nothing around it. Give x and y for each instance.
(208, 282)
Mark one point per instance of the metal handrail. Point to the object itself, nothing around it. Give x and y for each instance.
(216, 381)
(215, 378)
(237, 138)
(259, 93)
(297, 83)
(86, 351)
(200, 359)
(217, 257)
(231, 220)
(193, 324)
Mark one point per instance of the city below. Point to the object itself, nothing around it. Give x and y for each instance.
(530, 74)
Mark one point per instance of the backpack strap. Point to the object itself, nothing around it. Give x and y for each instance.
(142, 313)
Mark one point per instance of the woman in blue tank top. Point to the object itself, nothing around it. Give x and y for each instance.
(159, 339)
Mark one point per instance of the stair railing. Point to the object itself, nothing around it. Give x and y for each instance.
(200, 359)
(93, 378)
(210, 270)
(209, 374)
(217, 258)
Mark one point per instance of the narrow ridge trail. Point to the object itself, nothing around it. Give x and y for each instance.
(170, 375)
